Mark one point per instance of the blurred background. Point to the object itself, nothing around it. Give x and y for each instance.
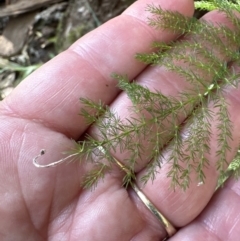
(32, 32)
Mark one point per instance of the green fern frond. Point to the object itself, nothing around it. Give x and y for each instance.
(92, 110)
(205, 5)
(93, 177)
(198, 140)
(206, 71)
(169, 20)
(234, 167)
(233, 170)
(210, 5)
(224, 128)
(175, 157)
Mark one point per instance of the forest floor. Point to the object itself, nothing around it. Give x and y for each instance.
(33, 32)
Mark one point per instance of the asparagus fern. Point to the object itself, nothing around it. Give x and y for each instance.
(159, 123)
(210, 5)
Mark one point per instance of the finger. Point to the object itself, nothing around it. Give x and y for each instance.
(179, 206)
(170, 84)
(219, 221)
(51, 94)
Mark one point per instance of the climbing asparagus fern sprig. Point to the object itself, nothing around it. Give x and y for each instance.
(202, 58)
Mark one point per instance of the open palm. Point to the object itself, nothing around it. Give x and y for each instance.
(49, 204)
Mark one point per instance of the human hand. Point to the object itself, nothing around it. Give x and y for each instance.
(49, 204)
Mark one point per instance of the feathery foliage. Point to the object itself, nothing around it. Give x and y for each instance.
(210, 5)
(180, 125)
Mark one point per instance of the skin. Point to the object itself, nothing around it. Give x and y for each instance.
(49, 204)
